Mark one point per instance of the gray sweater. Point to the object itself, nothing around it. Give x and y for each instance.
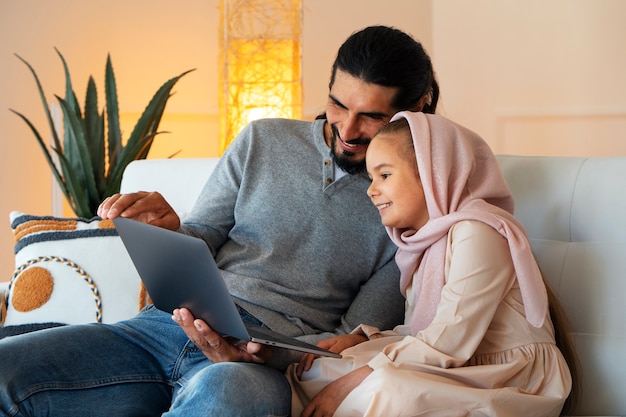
(305, 254)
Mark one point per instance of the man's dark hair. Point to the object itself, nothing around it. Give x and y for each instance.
(389, 57)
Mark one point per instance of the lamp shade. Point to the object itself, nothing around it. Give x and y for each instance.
(260, 58)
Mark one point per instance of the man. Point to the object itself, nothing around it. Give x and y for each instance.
(300, 246)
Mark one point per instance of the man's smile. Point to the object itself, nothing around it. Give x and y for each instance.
(354, 146)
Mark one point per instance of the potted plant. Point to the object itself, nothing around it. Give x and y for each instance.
(92, 156)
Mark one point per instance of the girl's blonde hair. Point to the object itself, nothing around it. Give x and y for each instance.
(398, 132)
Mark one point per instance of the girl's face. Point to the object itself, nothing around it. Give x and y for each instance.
(396, 189)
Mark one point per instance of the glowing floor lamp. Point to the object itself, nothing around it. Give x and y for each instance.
(260, 63)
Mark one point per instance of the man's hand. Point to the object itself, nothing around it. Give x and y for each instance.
(215, 347)
(142, 206)
(326, 402)
(335, 344)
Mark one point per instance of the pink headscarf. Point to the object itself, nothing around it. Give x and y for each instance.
(462, 181)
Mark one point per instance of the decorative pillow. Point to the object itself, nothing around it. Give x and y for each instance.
(70, 271)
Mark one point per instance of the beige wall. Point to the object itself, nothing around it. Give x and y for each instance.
(532, 77)
(535, 77)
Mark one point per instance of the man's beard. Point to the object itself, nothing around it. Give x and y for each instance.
(344, 160)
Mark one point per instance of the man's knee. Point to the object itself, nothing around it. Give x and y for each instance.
(238, 389)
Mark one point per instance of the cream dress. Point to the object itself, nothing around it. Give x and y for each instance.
(479, 356)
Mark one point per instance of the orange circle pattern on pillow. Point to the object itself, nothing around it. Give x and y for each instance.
(32, 289)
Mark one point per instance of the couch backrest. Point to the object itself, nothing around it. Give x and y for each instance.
(573, 210)
(180, 180)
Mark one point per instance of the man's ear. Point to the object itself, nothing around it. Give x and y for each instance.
(420, 104)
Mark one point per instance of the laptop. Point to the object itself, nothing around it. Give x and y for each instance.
(179, 271)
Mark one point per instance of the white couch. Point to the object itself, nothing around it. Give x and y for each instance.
(573, 211)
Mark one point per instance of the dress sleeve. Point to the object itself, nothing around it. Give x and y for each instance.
(479, 273)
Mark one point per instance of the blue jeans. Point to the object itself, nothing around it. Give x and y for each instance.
(145, 366)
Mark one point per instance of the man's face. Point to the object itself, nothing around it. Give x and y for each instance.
(355, 111)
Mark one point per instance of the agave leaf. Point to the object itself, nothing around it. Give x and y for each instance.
(72, 108)
(101, 179)
(112, 112)
(47, 154)
(70, 96)
(77, 153)
(115, 177)
(55, 137)
(94, 128)
(149, 121)
(77, 198)
(145, 129)
(91, 108)
(142, 152)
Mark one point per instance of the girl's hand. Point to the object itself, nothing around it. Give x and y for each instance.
(335, 344)
(328, 400)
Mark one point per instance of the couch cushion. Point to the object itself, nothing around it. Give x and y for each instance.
(179, 180)
(573, 210)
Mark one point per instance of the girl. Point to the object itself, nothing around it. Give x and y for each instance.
(478, 338)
